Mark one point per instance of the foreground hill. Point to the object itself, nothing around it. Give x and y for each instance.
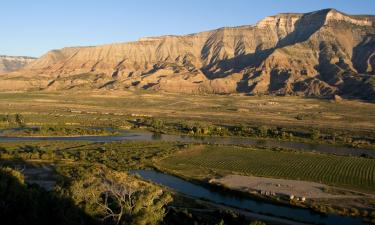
(13, 63)
(320, 53)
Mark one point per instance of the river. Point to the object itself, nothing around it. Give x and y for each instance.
(148, 136)
(255, 206)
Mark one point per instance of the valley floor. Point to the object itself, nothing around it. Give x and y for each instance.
(252, 170)
(77, 108)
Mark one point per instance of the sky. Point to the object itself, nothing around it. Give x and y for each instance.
(33, 27)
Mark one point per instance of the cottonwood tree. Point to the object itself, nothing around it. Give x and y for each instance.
(119, 198)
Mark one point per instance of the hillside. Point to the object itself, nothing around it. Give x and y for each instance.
(320, 53)
(13, 63)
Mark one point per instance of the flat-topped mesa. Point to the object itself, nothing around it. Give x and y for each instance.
(320, 53)
(288, 21)
(336, 16)
(284, 24)
(280, 20)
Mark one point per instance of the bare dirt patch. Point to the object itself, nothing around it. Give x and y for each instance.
(271, 186)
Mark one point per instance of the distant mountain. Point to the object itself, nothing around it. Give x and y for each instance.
(321, 53)
(13, 63)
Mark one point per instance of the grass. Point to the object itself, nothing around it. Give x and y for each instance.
(350, 172)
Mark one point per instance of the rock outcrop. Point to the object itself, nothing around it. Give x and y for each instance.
(13, 63)
(322, 53)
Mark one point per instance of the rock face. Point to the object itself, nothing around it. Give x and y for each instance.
(321, 53)
(13, 63)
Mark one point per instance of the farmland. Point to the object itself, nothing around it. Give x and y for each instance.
(203, 162)
(347, 122)
(106, 108)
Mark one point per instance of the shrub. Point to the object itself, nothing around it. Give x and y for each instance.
(262, 131)
(157, 124)
(315, 134)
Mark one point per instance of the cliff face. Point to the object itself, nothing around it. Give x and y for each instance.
(13, 63)
(316, 54)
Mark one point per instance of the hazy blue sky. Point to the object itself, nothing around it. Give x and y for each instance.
(32, 27)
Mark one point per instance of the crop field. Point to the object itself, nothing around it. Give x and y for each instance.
(207, 161)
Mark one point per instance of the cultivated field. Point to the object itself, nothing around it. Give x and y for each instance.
(208, 161)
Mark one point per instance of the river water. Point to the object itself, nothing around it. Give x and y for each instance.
(148, 136)
(256, 206)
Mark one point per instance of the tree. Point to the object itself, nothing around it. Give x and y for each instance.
(315, 135)
(262, 131)
(20, 120)
(157, 124)
(119, 198)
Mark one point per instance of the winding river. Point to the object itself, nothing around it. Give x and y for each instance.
(148, 136)
(303, 216)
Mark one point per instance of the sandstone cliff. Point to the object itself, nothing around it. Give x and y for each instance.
(321, 53)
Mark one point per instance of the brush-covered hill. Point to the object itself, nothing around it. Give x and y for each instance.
(321, 53)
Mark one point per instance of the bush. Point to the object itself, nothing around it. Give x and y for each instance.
(262, 131)
(315, 134)
(157, 124)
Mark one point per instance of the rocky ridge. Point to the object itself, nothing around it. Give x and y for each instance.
(322, 53)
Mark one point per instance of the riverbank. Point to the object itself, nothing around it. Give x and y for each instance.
(245, 203)
(211, 163)
(142, 135)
